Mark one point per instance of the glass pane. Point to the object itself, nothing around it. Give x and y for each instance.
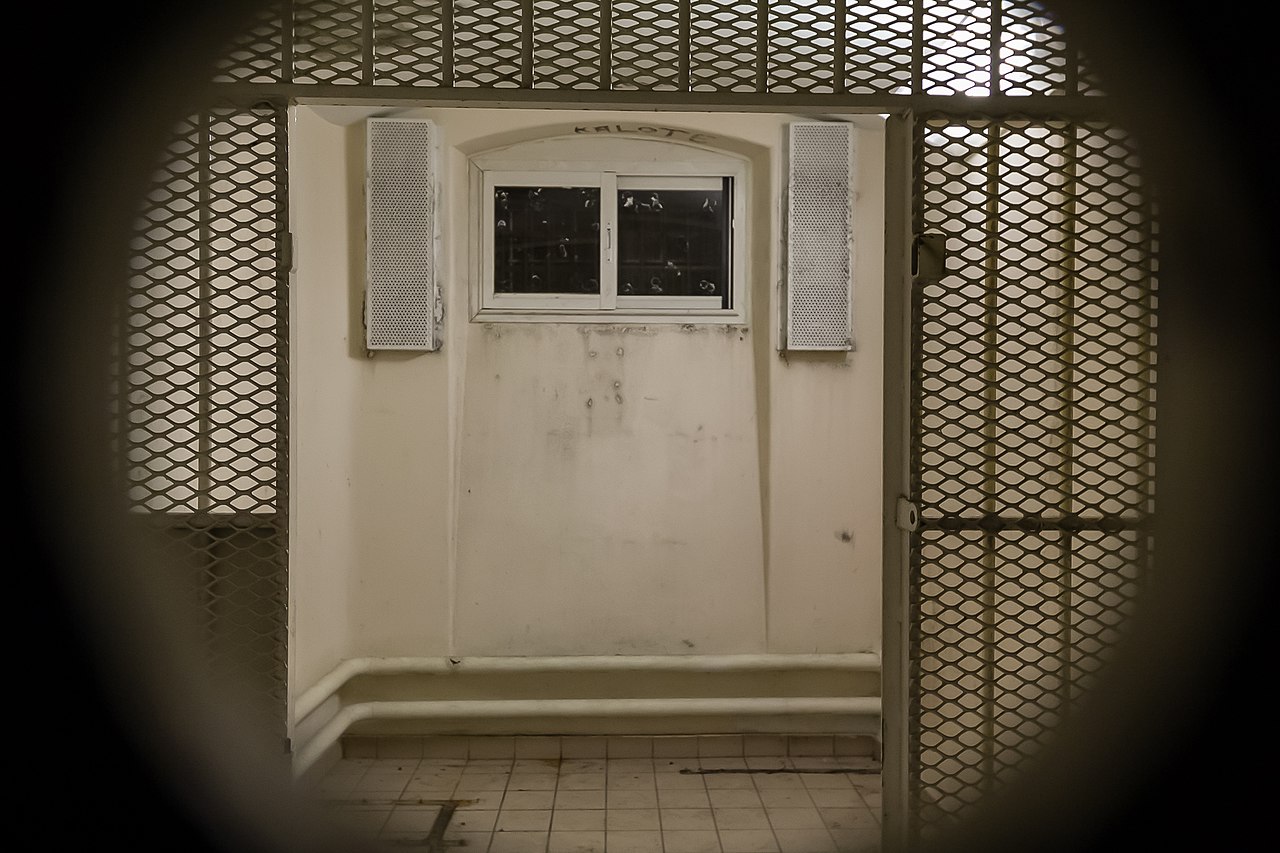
(546, 239)
(674, 242)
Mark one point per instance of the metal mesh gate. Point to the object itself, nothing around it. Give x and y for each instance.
(1032, 367)
(1032, 434)
(203, 385)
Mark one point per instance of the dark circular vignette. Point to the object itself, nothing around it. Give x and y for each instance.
(1168, 746)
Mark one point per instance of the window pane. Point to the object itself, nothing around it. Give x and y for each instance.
(674, 242)
(546, 239)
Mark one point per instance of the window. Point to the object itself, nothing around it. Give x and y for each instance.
(653, 238)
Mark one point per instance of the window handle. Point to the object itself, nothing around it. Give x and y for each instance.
(608, 243)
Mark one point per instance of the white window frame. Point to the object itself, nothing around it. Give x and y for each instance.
(703, 171)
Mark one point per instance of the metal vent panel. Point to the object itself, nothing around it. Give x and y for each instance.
(820, 209)
(401, 301)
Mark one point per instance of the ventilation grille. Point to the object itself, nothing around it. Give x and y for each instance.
(400, 309)
(819, 304)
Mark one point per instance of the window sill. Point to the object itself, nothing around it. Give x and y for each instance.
(654, 317)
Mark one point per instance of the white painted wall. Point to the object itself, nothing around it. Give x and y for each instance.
(714, 497)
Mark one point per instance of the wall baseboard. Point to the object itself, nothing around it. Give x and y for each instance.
(861, 750)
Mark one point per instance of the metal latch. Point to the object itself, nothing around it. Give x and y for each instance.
(929, 258)
(908, 517)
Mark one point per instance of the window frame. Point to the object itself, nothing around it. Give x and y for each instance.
(676, 172)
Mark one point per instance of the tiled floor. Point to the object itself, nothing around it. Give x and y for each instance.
(766, 804)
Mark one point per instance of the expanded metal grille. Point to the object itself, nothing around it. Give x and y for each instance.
(202, 420)
(873, 47)
(1033, 431)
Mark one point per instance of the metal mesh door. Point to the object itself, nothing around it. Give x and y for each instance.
(1032, 439)
(202, 423)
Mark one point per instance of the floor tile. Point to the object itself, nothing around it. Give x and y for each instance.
(631, 799)
(576, 842)
(690, 841)
(679, 781)
(748, 841)
(630, 747)
(445, 747)
(361, 820)
(687, 819)
(582, 782)
(720, 745)
(471, 842)
(527, 804)
(835, 798)
(532, 782)
(766, 762)
(763, 745)
(856, 840)
(537, 747)
(848, 818)
(491, 747)
(578, 820)
(627, 819)
(523, 820)
(755, 818)
(411, 819)
(779, 781)
(630, 781)
(683, 798)
(732, 798)
(789, 818)
(488, 801)
(785, 797)
(579, 799)
(518, 842)
(805, 841)
(826, 780)
(583, 765)
(583, 747)
(675, 746)
(473, 821)
(728, 781)
(633, 841)
(482, 782)
(528, 800)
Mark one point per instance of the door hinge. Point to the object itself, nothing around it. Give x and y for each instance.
(908, 517)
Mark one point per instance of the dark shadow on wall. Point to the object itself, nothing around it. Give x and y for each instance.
(1168, 749)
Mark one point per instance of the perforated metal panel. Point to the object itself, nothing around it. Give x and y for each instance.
(401, 296)
(1033, 440)
(202, 384)
(820, 210)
